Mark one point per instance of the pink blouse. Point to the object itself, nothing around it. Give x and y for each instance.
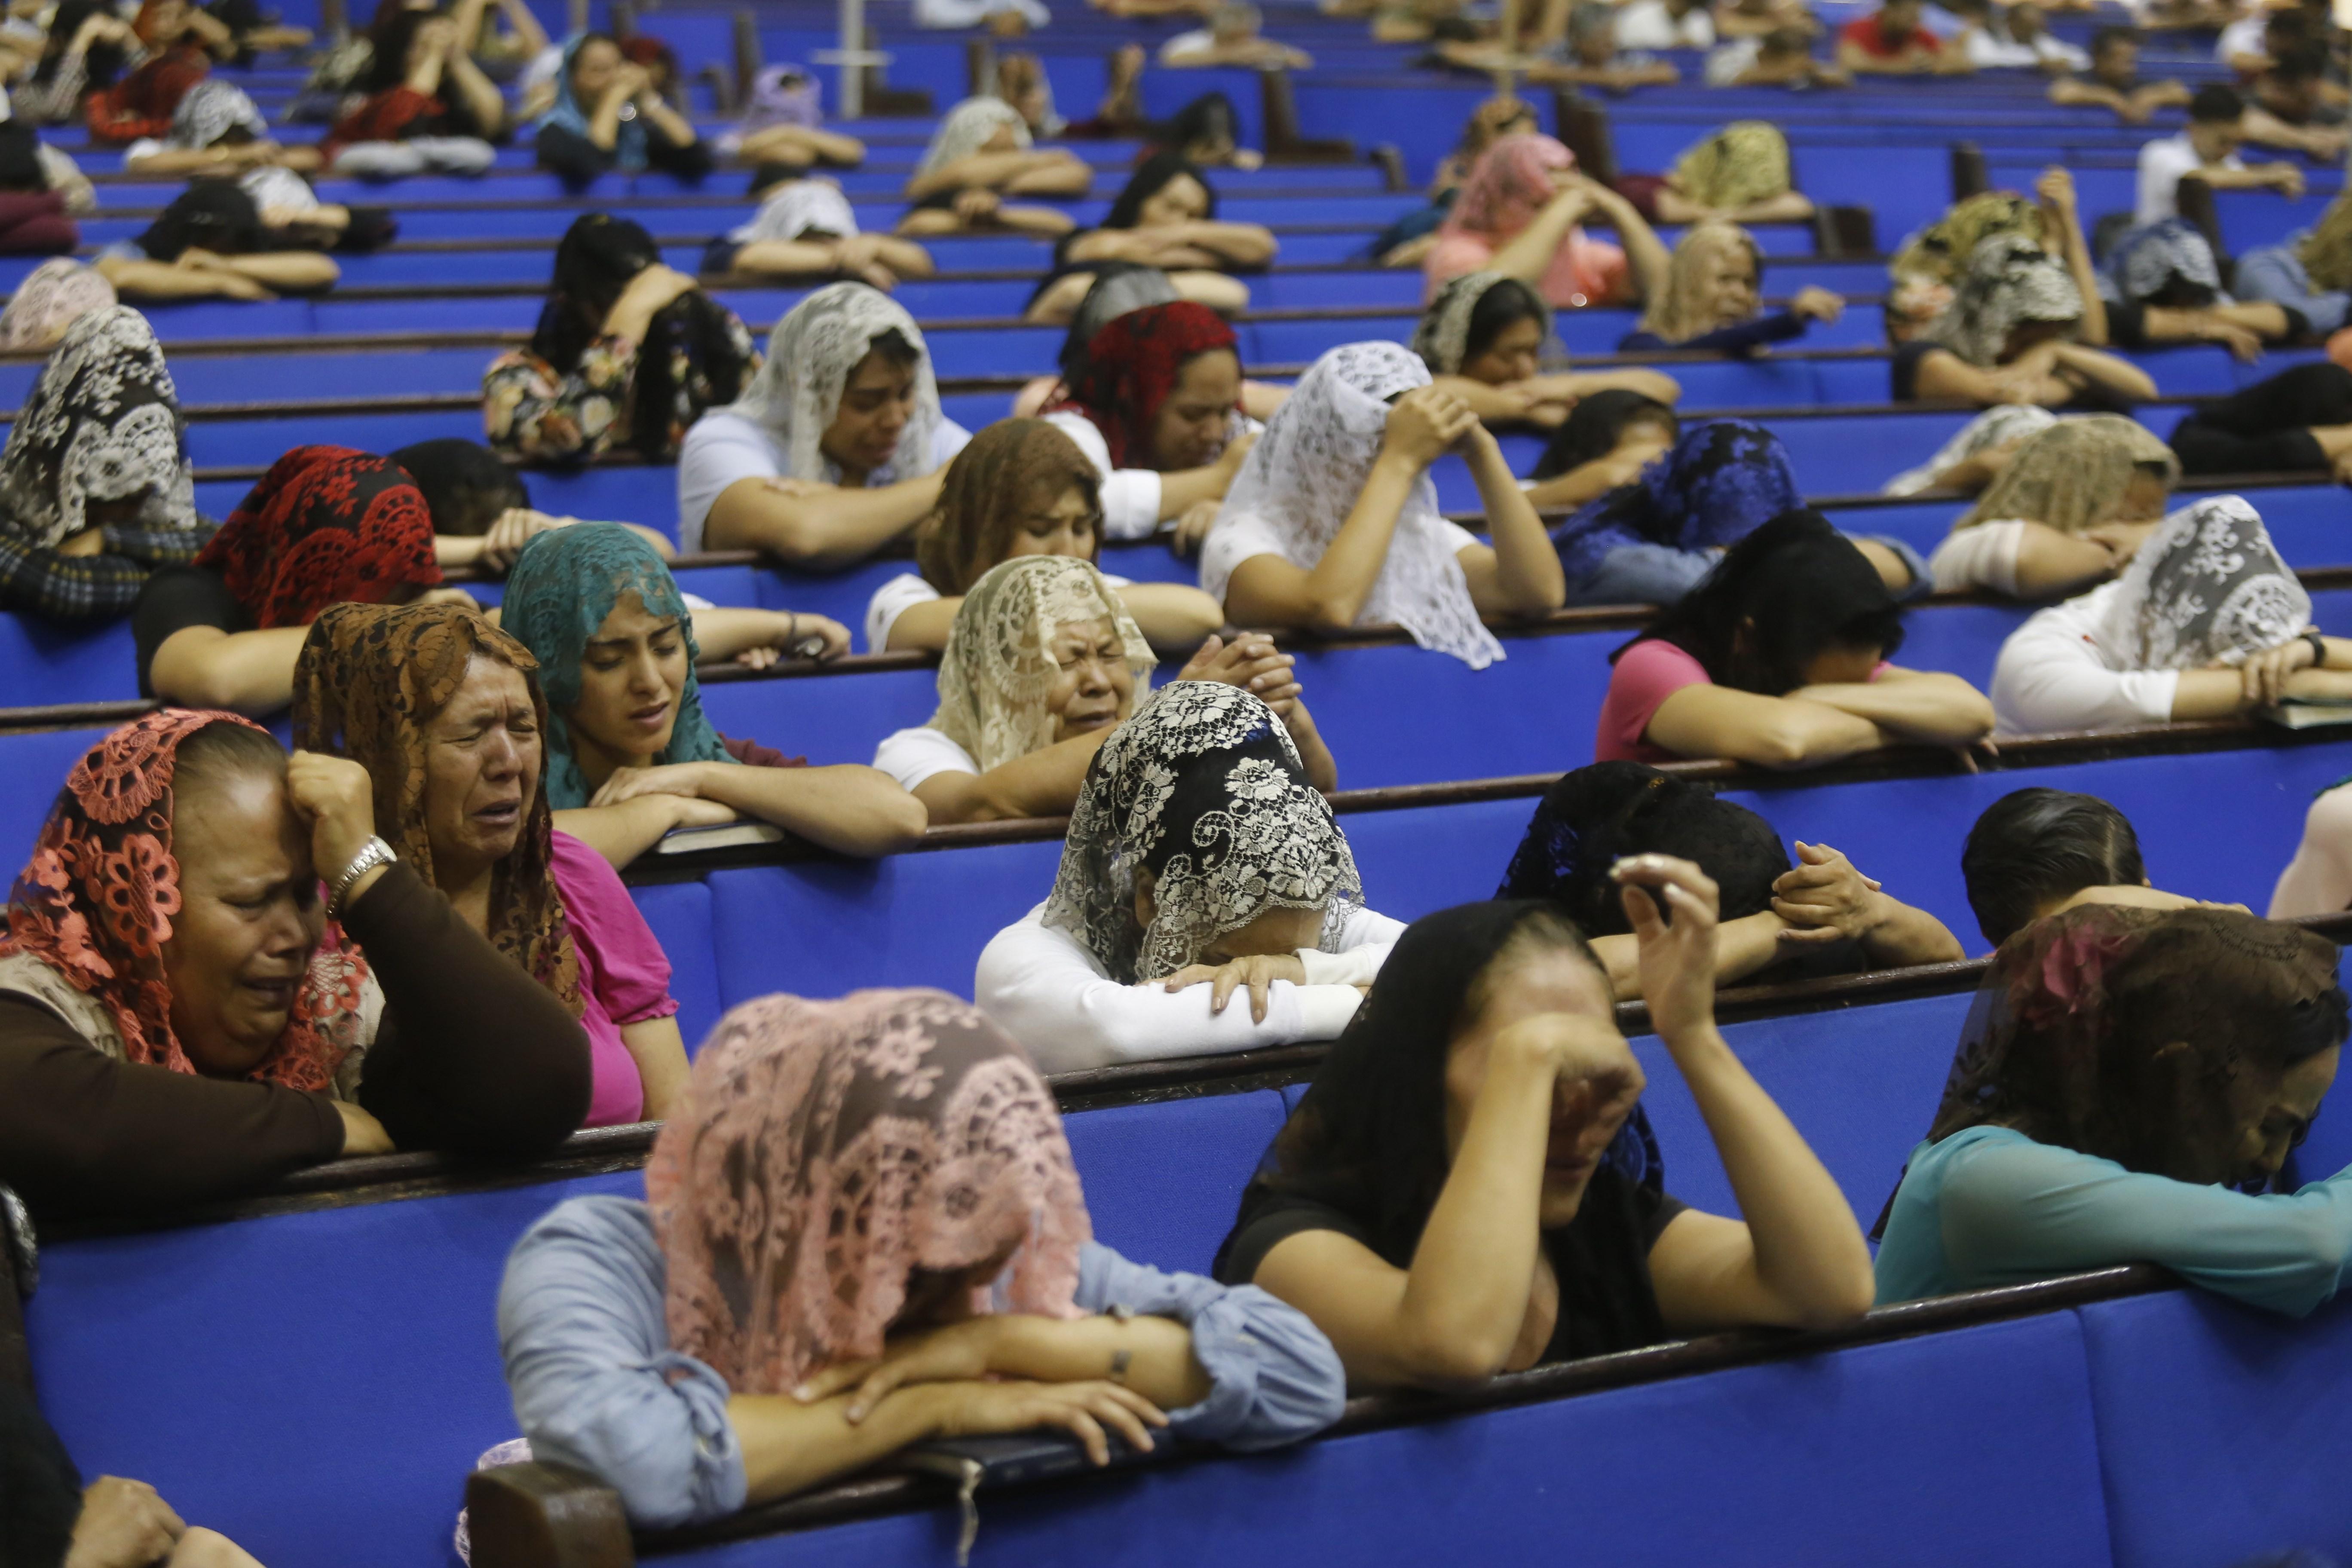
(1644, 676)
(1584, 271)
(624, 975)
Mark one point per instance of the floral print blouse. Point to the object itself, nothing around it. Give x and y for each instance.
(532, 412)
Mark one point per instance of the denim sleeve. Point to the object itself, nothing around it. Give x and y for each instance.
(595, 1383)
(1274, 1378)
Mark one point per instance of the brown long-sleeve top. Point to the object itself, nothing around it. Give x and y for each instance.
(473, 1055)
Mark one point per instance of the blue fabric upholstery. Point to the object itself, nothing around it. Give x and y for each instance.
(680, 914)
(1163, 1180)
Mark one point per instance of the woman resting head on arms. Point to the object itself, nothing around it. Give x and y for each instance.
(864, 1230)
(1820, 917)
(1469, 1187)
(2016, 332)
(439, 708)
(620, 332)
(1519, 215)
(630, 754)
(78, 538)
(1156, 407)
(52, 298)
(1778, 658)
(2036, 852)
(2164, 286)
(205, 1043)
(2069, 508)
(1482, 337)
(835, 448)
(1166, 216)
(2206, 622)
(807, 229)
(1332, 521)
(1607, 439)
(482, 515)
(217, 241)
(980, 156)
(1713, 301)
(2297, 422)
(1022, 487)
(1739, 174)
(1201, 854)
(2122, 1071)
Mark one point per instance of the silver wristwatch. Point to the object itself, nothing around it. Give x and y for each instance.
(373, 853)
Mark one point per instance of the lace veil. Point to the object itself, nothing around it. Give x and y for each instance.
(102, 423)
(999, 667)
(815, 347)
(2208, 587)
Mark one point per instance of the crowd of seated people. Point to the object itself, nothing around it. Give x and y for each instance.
(409, 930)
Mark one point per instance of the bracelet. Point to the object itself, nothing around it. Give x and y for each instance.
(373, 853)
(2318, 649)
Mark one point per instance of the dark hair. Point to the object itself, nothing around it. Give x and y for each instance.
(768, 176)
(20, 158)
(1794, 589)
(2107, 38)
(895, 351)
(391, 36)
(2216, 105)
(595, 262)
(2036, 846)
(1209, 118)
(1504, 304)
(224, 750)
(103, 62)
(466, 487)
(1597, 814)
(581, 48)
(213, 214)
(1788, 41)
(1154, 175)
(1597, 423)
(2306, 61)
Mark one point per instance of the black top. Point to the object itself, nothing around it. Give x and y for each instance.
(1602, 1258)
(1738, 341)
(174, 599)
(2091, 398)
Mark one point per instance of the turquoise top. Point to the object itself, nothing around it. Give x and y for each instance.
(1989, 1206)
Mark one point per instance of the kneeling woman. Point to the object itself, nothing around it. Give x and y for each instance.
(2206, 621)
(212, 1045)
(630, 755)
(1778, 658)
(1470, 1187)
(1199, 854)
(1022, 487)
(440, 707)
(726, 1343)
(1333, 520)
(2123, 1070)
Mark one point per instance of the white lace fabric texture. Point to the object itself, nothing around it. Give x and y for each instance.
(966, 130)
(799, 207)
(997, 669)
(812, 353)
(102, 423)
(2208, 588)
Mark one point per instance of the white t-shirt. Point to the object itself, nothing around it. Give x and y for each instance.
(1049, 993)
(1647, 25)
(1728, 60)
(723, 448)
(1981, 556)
(1184, 46)
(1130, 497)
(2243, 37)
(902, 593)
(1236, 539)
(2162, 162)
(2052, 675)
(1988, 53)
(911, 756)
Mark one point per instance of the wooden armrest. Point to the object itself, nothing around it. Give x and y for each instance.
(546, 1516)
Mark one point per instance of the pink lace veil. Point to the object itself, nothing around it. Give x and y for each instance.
(825, 1150)
(1510, 183)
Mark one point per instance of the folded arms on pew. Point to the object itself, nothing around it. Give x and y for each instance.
(1821, 723)
(847, 807)
(804, 523)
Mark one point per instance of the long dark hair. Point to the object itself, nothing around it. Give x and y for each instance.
(1794, 589)
(1595, 424)
(1368, 1139)
(1503, 305)
(389, 37)
(1149, 178)
(101, 63)
(2038, 846)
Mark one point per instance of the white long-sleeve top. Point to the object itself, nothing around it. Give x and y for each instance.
(1049, 993)
(2053, 675)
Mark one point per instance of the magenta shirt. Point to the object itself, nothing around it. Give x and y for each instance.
(624, 975)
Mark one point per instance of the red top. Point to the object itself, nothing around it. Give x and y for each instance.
(1867, 35)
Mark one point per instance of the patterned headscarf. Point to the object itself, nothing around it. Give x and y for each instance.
(1442, 338)
(780, 95)
(562, 587)
(1302, 478)
(571, 114)
(966, 129)
(371, 677)
(53, 297)
(1940, 252)
(1133, 364)
(1012, 469)
(1719, 482)
(816, 347)
(2325, 251)
(102, 423)
(2207, 588)
(212, 108)
(797, 207)
(95, 904)
(826, 1150)
(2170, 259)
(2072, 474)
(2011, 282)
(1747, 161)
(325, 526)
(1689, 304)
(1203, 789)
(997, 669)
(1510, 185)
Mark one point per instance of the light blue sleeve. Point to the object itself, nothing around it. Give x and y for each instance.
(595, 1383)
(2014, 1209)
(1274, 1378)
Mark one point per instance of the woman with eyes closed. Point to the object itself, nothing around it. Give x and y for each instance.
(1022, 487)
(1166, 217)
(1481, 338)
(630, 754)
(440, 708)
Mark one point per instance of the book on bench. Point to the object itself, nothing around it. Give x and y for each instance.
(2309, 712)
(1007, 1458)
(724, 836)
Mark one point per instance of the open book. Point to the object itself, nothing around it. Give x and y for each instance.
(2310, 712)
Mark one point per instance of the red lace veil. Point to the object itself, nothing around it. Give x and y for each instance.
(825, 1150)
(1132, 365)
(96, 901)
(326, 525)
